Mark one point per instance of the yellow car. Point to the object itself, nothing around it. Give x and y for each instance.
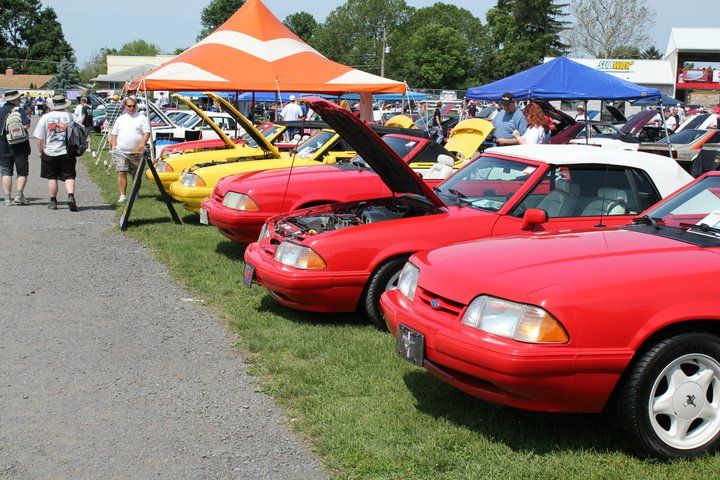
(259, 144)
(465, 139)
(324, 147)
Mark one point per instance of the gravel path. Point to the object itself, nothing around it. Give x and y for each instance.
(107, 372)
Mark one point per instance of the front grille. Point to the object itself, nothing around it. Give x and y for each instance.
(446, 308)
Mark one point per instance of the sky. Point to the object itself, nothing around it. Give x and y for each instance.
(90, 25)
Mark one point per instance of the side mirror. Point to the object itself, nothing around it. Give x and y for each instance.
(532, 217)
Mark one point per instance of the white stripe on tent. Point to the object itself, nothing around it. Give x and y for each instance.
(184, 71)
(357, 76)
(269, 51)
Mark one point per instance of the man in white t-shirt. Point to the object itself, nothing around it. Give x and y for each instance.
(129, 135)
(55, 163)
(291, 112)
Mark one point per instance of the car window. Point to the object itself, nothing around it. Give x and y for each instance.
(401, 146)
(314, 143)
(430, 153)
(715, 138)
(586, 191)
(644, 191)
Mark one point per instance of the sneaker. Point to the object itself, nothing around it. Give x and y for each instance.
(21, 200)
(52, 205)
(7, 202)
(72, 206)
(121, 199)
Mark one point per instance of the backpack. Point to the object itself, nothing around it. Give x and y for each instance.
(87, 116)
(14, 129)
(76, 140)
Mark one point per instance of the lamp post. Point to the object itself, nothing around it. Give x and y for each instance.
(385, 49)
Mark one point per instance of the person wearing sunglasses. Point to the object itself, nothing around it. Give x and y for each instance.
(128, 137)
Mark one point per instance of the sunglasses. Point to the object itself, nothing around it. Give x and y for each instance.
(131, 106)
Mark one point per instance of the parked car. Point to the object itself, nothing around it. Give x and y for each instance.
(638, 128)
(625, 317)
(240, 204)
(684, 145)
(336, 258)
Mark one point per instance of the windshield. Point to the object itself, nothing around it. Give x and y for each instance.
(684, 137)
(314, 143)
(696, 121)
(401, 146)
(267, 131)
(487, 183)
(189, 121)
(692, 206)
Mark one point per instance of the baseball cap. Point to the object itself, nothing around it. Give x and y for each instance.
(507, 98)
(292, 98)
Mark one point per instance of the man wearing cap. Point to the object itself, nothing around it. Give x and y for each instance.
(291, 112)
(15, 156)
(508, 120)
(55, 163)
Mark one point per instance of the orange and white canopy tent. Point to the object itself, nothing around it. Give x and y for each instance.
(254, 51)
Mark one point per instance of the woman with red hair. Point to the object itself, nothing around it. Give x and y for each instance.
(537, 126)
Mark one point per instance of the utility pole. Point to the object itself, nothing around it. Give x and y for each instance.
(385, 49)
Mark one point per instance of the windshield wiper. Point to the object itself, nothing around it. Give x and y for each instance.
(703, 227)
(459, 196)
(646, 220)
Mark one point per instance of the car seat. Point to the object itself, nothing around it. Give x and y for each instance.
(562, 200)
(441, 169)
(610, 201)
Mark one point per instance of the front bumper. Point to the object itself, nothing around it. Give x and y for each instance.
(191, 197)
(312, 290)
(166, 178)
(551, 378)
(238, 226)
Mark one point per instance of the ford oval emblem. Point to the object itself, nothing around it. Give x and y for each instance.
(435, 304)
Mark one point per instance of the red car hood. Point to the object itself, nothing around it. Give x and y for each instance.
(514, 267)
(396, 174)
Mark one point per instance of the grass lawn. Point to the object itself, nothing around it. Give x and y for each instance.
(367, 413)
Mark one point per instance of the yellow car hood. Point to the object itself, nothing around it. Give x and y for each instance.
(467, 136)
(189, 160)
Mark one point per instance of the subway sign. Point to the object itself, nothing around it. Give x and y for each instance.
(615, 65)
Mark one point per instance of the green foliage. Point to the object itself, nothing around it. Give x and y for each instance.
(67, 76)
(179, 50)
(136, 47)
(651, 53)
(353, 33)
(216, 13)
(97, 64)
(519, 33)
(33, 35)
(459, 48)
(302, 24)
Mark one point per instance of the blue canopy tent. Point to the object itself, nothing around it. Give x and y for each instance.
(197, 94)
(271, 96)
(563, 79)
(392, 97)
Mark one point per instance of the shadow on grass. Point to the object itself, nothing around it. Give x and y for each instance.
(231, 250)
(353, 319)
(97, 207)
(151, 221)
(522, 431)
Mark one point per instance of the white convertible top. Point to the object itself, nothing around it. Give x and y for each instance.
(667, 174)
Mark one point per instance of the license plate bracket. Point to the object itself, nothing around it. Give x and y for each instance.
(204, 217)
(410, 345)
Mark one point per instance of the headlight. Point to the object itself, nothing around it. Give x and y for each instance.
(240, 201)
(299, 256)
(264, 232)
(521, 322)
(407, 283)
(192, 180)
(163, 167)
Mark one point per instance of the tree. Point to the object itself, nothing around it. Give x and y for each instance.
(216, 13)
(302, 24)
(32, 36)
(463, 52)
(604, 26)
(651, 53)
(519, 33)
(66, 76)
(626, 51)
(97, 65)
(353, 33)
(136, 47)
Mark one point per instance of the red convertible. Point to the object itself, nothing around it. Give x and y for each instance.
(240, 204)
(626, 317)
(336, 258)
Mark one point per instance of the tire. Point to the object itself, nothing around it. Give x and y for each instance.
(384, 278)
(668, 425)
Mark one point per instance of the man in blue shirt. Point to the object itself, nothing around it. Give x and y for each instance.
(509, 119)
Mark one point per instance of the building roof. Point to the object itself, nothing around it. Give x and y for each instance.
(693, 40)
(664, 171)
(125, 75)
(16, 81)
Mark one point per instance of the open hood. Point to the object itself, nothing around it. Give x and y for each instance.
(617, 115)
(396, 174)
(206, 119)
(636, 122)
(246, 124)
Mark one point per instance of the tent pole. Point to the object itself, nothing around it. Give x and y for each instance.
(587, 124)
(667, 135)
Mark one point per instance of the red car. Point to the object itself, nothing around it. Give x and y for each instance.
(240, 204)
(336, 258)
(568, 322)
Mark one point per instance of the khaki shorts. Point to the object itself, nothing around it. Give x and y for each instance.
(125, 162)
